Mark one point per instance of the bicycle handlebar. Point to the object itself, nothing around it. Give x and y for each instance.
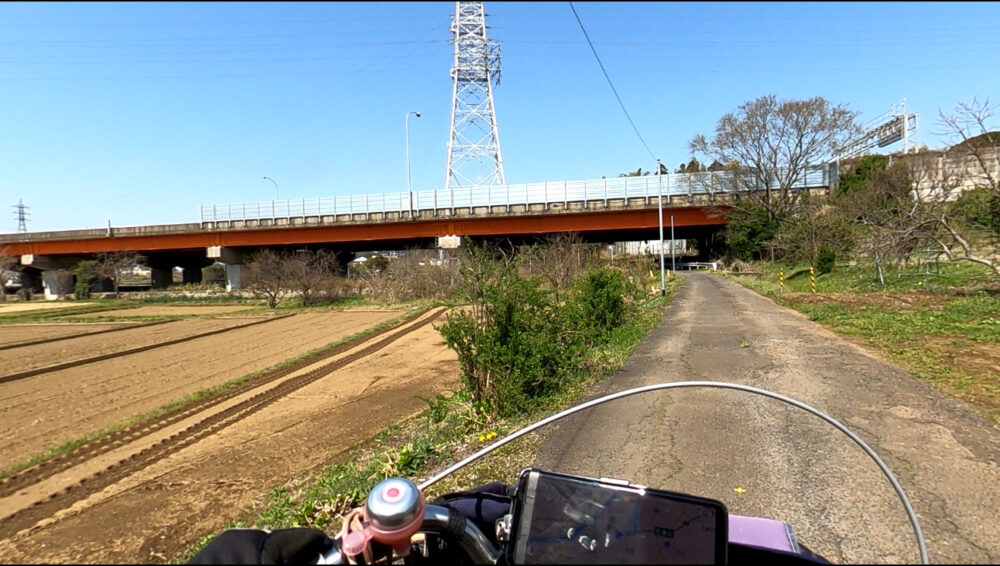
(442, 521)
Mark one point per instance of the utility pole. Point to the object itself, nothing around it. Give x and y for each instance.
(673, 254)
(409, 184)
(659, 208)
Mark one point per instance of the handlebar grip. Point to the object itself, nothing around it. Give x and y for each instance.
(456, 526)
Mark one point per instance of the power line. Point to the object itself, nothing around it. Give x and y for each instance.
(613, 89)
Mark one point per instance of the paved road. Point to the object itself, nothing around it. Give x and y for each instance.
(793, 466)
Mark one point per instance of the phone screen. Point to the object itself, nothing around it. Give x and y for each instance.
(567, 520)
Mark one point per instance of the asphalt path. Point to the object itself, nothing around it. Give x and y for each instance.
(763, 458)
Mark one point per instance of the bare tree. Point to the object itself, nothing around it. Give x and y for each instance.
(111, 265)
(416, 274)
(945, 201)
(883, 207)
(813, 226)
(970, 166)
(557, 260)
(421, 274)
(374, 277)
(310, 273)
(267, 276)
(769, 143)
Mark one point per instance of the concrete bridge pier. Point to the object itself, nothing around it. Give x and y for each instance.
(191, 274)
(57, 284)
(162, 266)
(234, 276)
(31, 279)
(161, 276)
(710, 245)
(235, 262)
(56, 273)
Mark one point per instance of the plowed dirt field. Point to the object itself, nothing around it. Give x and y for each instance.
(150, 496)
(45, 411)
(86, 346)
(12, 334)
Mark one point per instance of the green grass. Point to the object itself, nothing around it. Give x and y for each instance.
(944, 278)
(976, 318)
(191, 300)
(196, 397)
(445, 431)
(189, 295)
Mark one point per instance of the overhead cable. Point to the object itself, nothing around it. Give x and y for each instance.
(611, 84)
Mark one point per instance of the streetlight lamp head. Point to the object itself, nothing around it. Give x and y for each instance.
(417, 113)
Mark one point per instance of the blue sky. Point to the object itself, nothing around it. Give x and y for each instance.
(138, 113)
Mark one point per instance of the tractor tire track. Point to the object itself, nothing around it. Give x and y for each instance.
(29, 516)
(48, 468)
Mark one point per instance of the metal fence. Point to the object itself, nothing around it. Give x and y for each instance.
(546, 193)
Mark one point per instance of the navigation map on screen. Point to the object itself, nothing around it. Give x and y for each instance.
(569, 521)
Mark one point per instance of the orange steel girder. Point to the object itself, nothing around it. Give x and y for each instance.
(476, 226)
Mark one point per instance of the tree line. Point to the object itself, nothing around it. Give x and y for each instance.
(885, 208)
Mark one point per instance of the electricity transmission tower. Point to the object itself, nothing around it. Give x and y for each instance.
(474, 146)
(22, 215)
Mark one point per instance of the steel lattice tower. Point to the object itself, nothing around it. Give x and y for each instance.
(22, 216)
(474, 146)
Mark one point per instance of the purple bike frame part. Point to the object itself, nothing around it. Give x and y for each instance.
(762, 533)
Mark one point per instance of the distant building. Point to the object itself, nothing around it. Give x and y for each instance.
(138, 271)
(651, 247)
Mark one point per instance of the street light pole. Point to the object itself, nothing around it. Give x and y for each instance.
(659, 207)
(409, 186)
(673, 254)
(275, 186)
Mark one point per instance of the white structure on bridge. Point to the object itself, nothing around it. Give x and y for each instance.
(528, 194)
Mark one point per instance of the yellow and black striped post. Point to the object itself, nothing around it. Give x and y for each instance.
(812, 278)
(781, 279)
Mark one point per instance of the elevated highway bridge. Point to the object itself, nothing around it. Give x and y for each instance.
(601, 210)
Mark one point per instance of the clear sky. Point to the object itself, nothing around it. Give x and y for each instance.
(138, 113)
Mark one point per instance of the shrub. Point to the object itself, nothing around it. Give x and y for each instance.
(980, 207)
(749, 231)
(601, 301)
(826, 259)
(515, 345)
(86, 273)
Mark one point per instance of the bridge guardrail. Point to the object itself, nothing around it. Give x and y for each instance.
(528, 194)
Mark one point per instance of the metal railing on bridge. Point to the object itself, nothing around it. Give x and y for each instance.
(527, 194)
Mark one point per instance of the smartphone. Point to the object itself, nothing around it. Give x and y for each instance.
(563, 519)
